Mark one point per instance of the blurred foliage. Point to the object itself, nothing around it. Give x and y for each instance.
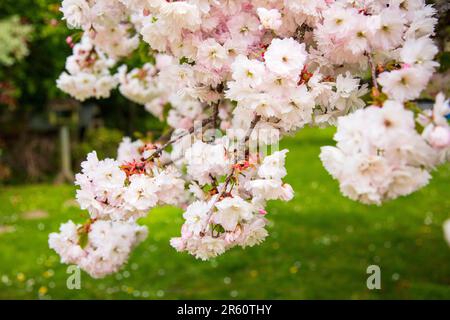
(443, 34)
(440, 81)
(29, 87)
(5, 171)
(443, 27)
(34, 77)
(29, 157)
(14, 38)
(103, 140)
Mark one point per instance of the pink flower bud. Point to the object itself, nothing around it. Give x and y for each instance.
(439, 137)
(262, 211)
(406, 66)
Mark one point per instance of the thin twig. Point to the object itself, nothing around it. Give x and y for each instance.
(219, 195)
(215, 115)
(191, 130)
(249, 133)
(373, 70)
(213, 119)
(166, 136)
(227, 181)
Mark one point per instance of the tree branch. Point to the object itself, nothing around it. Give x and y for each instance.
(227, 181)
(373, 70)
(191, 130)
(249, 133)
(215, 115)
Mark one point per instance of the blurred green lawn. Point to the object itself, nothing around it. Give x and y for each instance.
(319, 247)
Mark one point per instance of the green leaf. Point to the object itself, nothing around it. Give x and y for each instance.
(207, 187)
(83, 238)
(219, 228)
(186, 60)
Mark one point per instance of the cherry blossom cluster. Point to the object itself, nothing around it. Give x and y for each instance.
(140, 84)
(88, 73)
(151, 85)
(229, 198)
(125, 190)
(379, 154)
(108, 245)
(88, 14)
(231, 78)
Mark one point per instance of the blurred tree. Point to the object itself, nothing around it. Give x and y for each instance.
(14, 37)
(25, 122)
(33, 78)
(28, 84)
(441, 79)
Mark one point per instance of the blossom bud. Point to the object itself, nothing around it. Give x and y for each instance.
(439, 137)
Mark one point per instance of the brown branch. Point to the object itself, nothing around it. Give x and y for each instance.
(227, 181)
(249, 133)
(212, 119)
(219, 195)
(191, 130)
(373, 70)
(215, 115)
(166, 136)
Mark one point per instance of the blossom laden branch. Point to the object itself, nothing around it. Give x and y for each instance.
(243, 68)
(230, 176)
(177, 138)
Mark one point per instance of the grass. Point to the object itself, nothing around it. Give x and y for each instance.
(319, 247)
